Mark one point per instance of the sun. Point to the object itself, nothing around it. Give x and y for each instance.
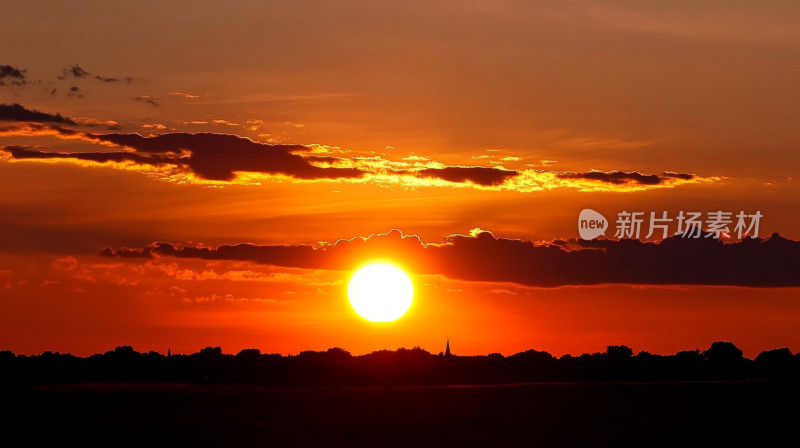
(380, 292)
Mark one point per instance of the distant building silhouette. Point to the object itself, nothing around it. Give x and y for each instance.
(447, 350)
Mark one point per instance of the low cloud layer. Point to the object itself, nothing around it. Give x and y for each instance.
(480, 256)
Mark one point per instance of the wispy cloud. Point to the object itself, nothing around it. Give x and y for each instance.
(75, 71)
(152, 100)
(183, 95)
(227, 158)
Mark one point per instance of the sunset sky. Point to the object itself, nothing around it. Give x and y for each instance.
(189, 174)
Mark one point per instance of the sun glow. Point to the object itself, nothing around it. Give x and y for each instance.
(380, 292)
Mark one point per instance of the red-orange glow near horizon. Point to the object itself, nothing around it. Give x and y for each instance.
(189, 195)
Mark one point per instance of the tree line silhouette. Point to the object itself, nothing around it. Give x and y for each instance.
(337, 367)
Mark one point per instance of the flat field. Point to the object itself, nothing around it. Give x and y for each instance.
(542, 414)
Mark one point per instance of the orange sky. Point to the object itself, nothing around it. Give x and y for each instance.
(390, 108)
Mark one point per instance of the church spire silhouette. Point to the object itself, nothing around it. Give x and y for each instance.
(447, 350)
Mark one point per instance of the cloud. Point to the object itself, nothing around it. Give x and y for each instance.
(31, 129)
(21, 153)
(476, 174)
(7, 71)
(16, 112)
(224, 123)
(220, 156)
(110, 125)
(480, 256)
(426, 173)
(183, 95)
(147, 99)
(127, 79)
(17, 76)
(74, 70)
(209, 156)
(156, 126)
(674, 175)
(622, 177)
(228, 158)
(77, 71)
(68, 263)
(75, 91)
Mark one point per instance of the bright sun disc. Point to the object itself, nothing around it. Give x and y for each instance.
(380, 292)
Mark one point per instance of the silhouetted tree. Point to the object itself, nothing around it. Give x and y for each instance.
(619, 352)
(723, 352)
(123, 352)
(777, 363)
(336, 366)
(688, 356)
(727, 361)
(211, 352)
(249, 354)
(6, 355)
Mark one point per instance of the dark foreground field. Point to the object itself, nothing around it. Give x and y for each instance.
(555, 414)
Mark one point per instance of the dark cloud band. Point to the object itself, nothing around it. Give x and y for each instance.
(622, 177)
(476, 174)
(770, 262)
(218, 156)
